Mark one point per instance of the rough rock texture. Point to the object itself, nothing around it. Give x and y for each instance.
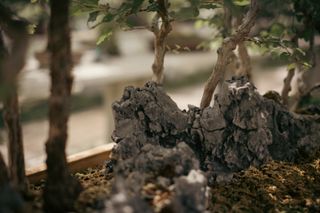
(243, 128)
(161, 145)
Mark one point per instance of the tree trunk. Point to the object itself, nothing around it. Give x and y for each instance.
(245, 61)
(4, 176)
(161, 34)
(61, 189)
(224, 52)
(302, 80)
(11, 64)
(15, 146)
(287, 86)
(10, 200)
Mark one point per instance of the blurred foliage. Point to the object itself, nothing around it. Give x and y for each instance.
(120, 12)
(35, 12)
(291, 20)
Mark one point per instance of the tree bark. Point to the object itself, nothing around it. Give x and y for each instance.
(245, 61)
(61, 189)
(160, 34)
(287, 86)
(224, 52)
(10, 200)
(4, 176)
(302, 86)
(233, 62)
(11, 63)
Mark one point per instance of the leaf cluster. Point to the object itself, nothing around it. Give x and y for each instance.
(107, 11)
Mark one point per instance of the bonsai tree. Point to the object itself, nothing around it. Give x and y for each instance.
(225, 51)
(281, 38)
(163, 13)
(161, 30)
(61, 188)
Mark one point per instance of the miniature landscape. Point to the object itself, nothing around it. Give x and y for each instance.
(237, 151)
(155, 168)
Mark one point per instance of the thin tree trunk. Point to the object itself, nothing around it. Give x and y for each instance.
(302, 86)
(245, 60)
(287, 86)
(15, 146)
(161, 34)
(4, 176)
(232, 62)
(224, 52)
(11, 64)
(61, 189)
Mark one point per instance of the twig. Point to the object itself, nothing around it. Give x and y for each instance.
(228, 45)
(161, 32)
(287, 86)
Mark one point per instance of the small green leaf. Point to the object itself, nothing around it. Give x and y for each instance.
(291, 66)
(241, 2)
(300, 51)
(277, 30)
(284, 56)
(136, 4)
(109, 17)
(307, 65)
(31, 28)
(152, 7)
(210, 6)
(93, 16)
(105, 36)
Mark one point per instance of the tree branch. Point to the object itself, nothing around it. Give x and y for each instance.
(161, 34)
(287, 86)
(228, 45)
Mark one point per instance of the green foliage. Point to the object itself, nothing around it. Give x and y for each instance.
(291, 19)
(104, 36)
(283, 49)
(119, 13)
(241, 2)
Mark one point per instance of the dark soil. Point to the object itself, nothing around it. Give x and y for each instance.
(274, 187)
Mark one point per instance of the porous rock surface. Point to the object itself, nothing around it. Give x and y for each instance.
(160, 144)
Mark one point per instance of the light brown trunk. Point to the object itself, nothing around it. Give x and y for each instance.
(245, 61)
(224, 52)
(61, 189)
(160, 34)
(287, 86)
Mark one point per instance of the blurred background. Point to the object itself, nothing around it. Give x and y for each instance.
(102, 71)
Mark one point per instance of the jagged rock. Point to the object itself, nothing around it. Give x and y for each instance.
(123, 202)
(190, 194)
(144, 116)
(252, 130)
(159, 144)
